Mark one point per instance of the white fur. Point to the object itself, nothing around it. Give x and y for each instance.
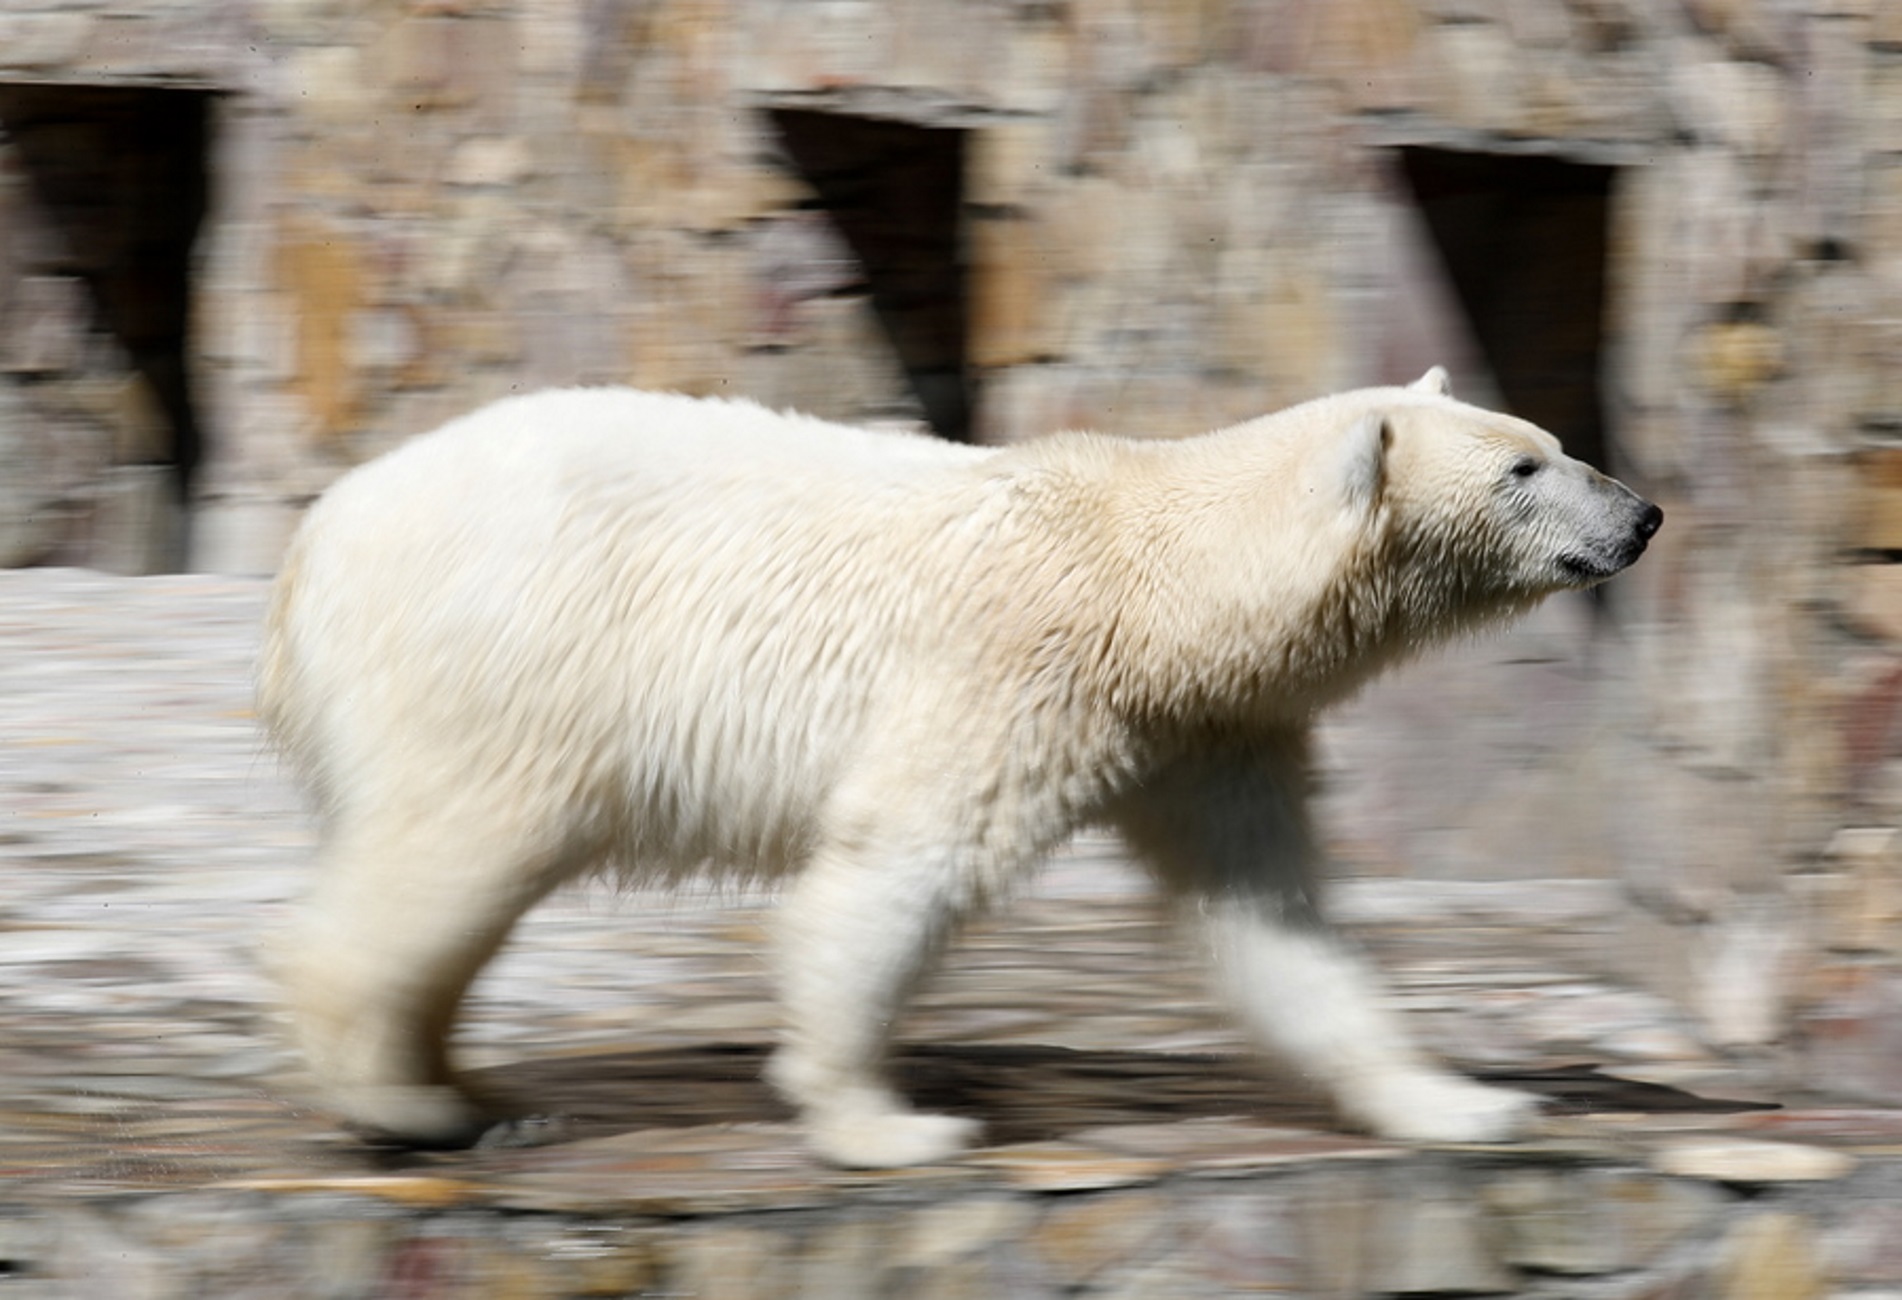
(606, 629)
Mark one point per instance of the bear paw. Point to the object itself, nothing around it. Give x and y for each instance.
(1429, 1106)
(427, 1117)
(890, 1139)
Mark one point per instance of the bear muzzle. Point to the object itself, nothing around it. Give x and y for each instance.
(1649, 520)
(1586, 568)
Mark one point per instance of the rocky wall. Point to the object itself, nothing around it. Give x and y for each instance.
(1327, 1225)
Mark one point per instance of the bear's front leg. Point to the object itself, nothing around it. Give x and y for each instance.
(853, 935)
(1227, 836)
(1313, 1003)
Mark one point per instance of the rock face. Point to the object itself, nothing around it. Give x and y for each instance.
(1672, 232)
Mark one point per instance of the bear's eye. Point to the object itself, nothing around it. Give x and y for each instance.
(1526, 467)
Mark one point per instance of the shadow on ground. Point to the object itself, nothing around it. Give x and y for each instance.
(1022, 1093)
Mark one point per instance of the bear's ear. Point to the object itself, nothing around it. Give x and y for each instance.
(1363, 459)
(1433, 381)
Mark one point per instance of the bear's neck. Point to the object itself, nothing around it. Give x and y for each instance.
(1235, 602)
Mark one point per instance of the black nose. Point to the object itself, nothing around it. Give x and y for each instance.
(1650, 521)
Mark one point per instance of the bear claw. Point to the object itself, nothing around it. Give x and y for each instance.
(1429, 1106)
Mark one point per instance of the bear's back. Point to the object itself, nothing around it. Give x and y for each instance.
(599, 431)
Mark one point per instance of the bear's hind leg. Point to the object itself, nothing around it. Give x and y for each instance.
(853, 937)
(403, 914)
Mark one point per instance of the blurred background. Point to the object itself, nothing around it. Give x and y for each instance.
(245, 245)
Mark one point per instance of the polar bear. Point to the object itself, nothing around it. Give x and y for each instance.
(606, 629)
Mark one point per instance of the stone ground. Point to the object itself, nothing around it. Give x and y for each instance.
(155, 1137)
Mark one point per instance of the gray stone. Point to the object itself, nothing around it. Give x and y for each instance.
(730, 1263)
(1742, 105)
(1586, 1222)
(1429, 1236)
(33, 515)
(942, 1233)
(137, 524)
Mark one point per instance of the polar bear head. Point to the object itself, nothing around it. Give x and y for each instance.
(1484, 507)
(1294, 557)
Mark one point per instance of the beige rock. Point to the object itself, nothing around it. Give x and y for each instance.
(1299, 326)
(418, 1191)
(37, 41)
(1743, 105)
(1081, 1239)
(329, 82)
(941, 1234)
(321, 272)
(1009, 291)
(687, 318)
(1772, 1256)
(1008, 164)
(475, 240)
(1037, 69)
(1836, 346)
(489, 161)
(1473, 76)
(1865, 909)
(1885, 25)
(1874, 600)
(1556, 103)
(939, 50)
(1744, 962)
(1066, 1167)
(621, 1269)
(1370, 48)
(1745, 1160)
(841, 43)
(1026, 401)
(1085, 225)
(1879, 508)
(1734, 360)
